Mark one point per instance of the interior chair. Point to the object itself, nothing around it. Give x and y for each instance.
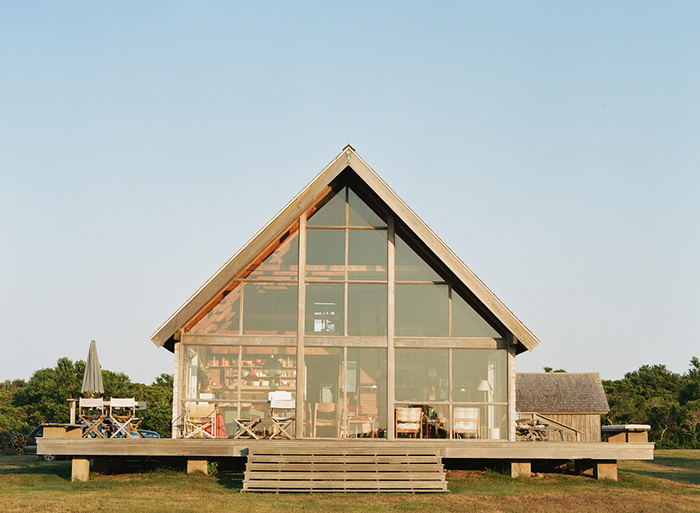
(465, 422)
(282, 413)
(409, 421)
(200, 421)
(122, 413)
(326, 415)
(362, 419)
(92, 412)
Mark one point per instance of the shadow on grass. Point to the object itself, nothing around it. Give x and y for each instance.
(230, 481)
(680, 470)
(678, 462)
(24, 465)
(680, 476)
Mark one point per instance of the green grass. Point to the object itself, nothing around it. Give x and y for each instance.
(669, 483)
(677, 465)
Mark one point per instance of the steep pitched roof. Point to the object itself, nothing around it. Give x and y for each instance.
(560, 392)
(348, 158)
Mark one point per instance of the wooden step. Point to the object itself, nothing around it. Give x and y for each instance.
(336, 469)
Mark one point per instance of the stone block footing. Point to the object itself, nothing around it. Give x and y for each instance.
(520, 468)
(80, 469)
(197, 466)
(601, 469)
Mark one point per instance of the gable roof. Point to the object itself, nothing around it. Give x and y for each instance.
(348, 158)
(559, 392)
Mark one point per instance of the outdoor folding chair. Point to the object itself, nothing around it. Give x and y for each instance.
(282, 413)
(200, 421)
(466, 422)
(122, 413)
(409, 421)
(92, 413)
(247, 422)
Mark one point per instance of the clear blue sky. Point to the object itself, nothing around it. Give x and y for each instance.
(555, 147)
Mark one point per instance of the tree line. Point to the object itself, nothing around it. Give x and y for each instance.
(654, 395)
(667, 401)
(44, 398)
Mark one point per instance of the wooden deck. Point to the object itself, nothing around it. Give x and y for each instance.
(465, 449)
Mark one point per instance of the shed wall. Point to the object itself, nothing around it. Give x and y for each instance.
(588, 424)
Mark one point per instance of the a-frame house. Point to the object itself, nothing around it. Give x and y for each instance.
(349, 302)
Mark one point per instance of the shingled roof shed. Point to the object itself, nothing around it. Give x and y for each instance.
(575, 400)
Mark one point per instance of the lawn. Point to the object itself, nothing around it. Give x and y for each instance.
(669, 483)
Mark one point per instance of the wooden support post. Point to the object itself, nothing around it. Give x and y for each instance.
(605, 470)
(300, 422)
(520, 468)
(72, 403)
(197, 466)
(80, 469)
(391, 323)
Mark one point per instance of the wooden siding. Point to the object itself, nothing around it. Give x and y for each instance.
(587, 424)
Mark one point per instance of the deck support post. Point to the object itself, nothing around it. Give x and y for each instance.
(80, 469)
(601, 469)
(605, 470)
(197, 465)
(520, 468)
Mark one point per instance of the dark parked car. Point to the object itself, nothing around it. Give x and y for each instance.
(145, 433)
(30, 447)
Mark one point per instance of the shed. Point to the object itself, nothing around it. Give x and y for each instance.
(570, 403)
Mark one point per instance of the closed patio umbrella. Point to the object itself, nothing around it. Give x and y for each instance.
(92, 379)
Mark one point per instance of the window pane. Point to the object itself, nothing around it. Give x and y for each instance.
(360, 214)
(482, 422)
(223, 319)
(270, 309)
(421, 375)
(211, 372)
(279, 262)
(422, 420)
(479, 375)
(330, 213)
(366, 393)
(421, 310)
(466, 322)
(325, 254)
(367, 255)
(410, 266)
(323, 391)
(325, 309)
(266, 369)
(367, 310)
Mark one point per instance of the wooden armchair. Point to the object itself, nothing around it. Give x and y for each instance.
(465, 422)
(409, 421)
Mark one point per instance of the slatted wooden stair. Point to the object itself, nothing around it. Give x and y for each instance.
(323, 468)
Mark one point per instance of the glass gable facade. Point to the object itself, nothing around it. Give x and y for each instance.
(349, 313)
